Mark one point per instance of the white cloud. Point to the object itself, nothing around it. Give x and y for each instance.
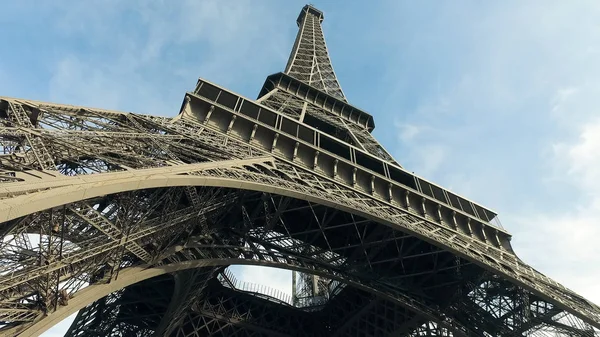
(564, 242)
(561, 96)
(426, 157)
(430, 158)
(76, 81)
(584, 159)
(407, 132)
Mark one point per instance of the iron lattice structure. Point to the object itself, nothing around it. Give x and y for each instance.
(133, 219)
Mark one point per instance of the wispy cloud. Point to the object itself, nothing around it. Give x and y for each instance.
(570, 234)
(407, 132)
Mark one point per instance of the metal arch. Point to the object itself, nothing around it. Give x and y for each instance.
(65, 190)
(134, 275)
(47, 199)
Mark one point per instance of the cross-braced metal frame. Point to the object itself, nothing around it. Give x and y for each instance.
(133, 219)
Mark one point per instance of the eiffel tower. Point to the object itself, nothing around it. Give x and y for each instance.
(131, 221)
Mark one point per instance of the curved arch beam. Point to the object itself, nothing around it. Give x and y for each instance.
(60, 191)
(52, 191)
(134, 275)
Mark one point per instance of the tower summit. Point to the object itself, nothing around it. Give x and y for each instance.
(309, 61)
(133, 220)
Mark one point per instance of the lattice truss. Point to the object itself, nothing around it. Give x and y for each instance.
(134, 218)
(295, 107)
(309, 61)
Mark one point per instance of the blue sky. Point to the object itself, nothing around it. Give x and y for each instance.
(496, 100)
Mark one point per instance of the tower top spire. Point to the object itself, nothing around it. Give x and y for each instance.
(309, 9)
(309, 61)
